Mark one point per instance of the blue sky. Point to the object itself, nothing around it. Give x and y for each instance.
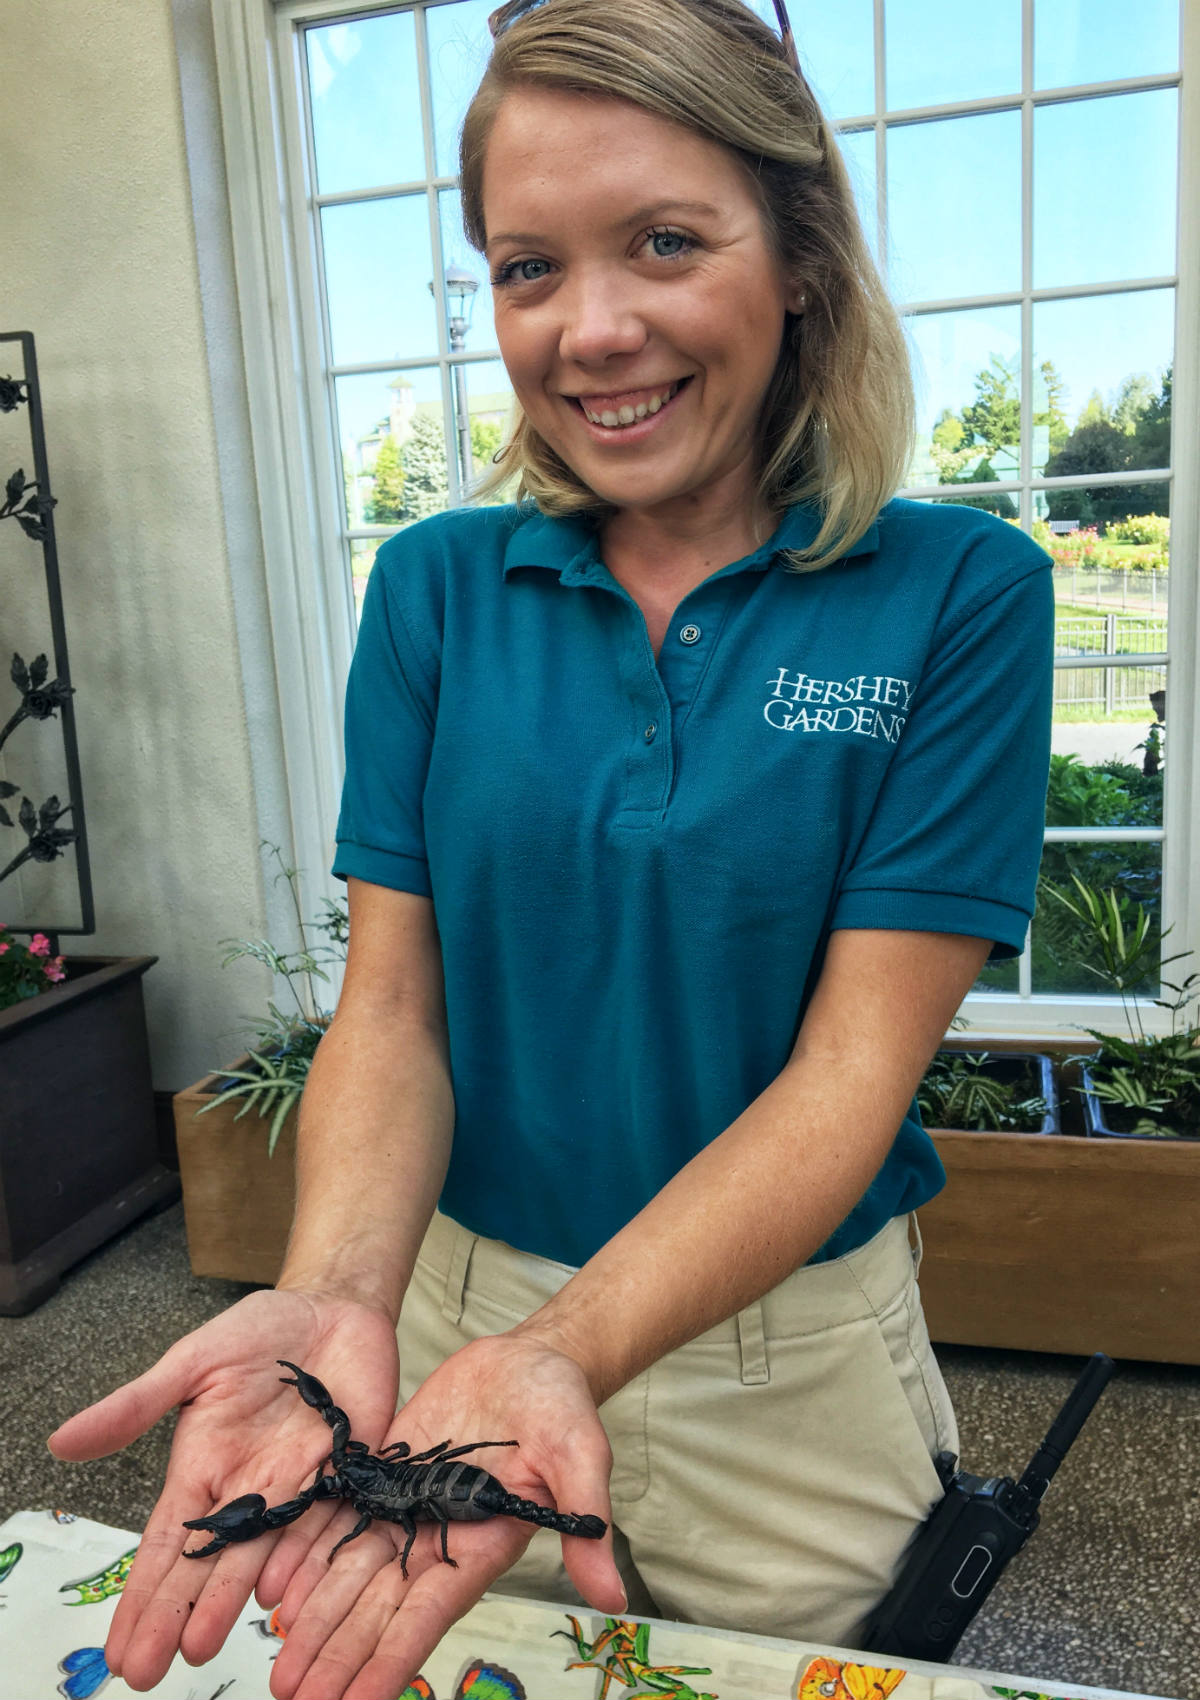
(1103, 201)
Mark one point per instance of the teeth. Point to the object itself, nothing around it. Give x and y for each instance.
(628, 415)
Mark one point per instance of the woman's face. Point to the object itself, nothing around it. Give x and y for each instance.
(628, 257)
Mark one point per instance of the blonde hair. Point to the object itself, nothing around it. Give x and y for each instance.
(837, 419)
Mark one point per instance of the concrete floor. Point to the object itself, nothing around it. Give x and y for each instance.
(1107, 1592)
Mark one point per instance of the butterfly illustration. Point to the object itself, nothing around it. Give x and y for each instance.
(480, 1681)
(830, 1679)
(8, 1559)
(63, 1516)
(101, 1584)
(86, 1675)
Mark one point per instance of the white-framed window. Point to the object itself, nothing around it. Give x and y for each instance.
(1026, 174)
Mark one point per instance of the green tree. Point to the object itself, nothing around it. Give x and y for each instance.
(993, 419)
(1049, 393)
(426, 488)
(387, 505)
(485, 440)
(1133, 397)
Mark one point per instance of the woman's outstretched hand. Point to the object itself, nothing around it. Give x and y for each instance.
(239, 1431)
(356, 1630)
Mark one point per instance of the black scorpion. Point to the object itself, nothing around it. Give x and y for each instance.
(396, 1485)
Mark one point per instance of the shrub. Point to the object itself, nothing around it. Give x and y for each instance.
(1140, 528)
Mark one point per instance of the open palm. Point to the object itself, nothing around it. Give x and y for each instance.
(239, 1431)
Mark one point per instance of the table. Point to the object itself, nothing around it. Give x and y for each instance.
(60, 1576)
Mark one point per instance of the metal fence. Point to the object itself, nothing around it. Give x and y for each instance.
(1108, 690)
(1142, 592)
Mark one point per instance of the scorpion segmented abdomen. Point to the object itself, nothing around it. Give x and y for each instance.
(496, 1500)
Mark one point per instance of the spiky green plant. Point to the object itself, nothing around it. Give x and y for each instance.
(1153, 1079)
(287, 1042)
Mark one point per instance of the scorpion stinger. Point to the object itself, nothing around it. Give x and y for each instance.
(394, 1485)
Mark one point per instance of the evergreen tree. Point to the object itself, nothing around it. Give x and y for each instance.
(426, 488)
(994, 417)
(485, 440)
(1050, 391)
(387, 504)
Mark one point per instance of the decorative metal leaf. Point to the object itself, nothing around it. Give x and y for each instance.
(28, 816)
(31, 527)
(15, 488)
(37, 672)
(7, 789)
(20, 674)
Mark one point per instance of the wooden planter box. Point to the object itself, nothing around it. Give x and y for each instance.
(1055, 1243)
(237, 1201)
(78, 1145)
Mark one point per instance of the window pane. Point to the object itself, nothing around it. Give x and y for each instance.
(1102, 401)
(363, 551)
(489, 408)
(378, 270)
(940, 50)
(1061, 947)
(954, 207)
(459, 47)
(393, 446)
(1091, 157)
(1092, 41)
(457, 251)
(966, 367)
(366, 109)
(858, 151)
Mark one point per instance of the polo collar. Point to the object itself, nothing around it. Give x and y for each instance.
(570, 546)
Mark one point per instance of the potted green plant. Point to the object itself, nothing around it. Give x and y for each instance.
(1143, 1085)
(236, 1168)
(983, 1091)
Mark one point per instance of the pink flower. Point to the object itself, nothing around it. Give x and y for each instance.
(39, 945)
(3, 948)
(55, 970)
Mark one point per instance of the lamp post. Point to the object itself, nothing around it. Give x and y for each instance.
(460, 287)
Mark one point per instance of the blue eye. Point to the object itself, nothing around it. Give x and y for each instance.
(505, 273)
(671, 236)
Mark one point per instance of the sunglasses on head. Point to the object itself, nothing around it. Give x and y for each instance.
(505, 16)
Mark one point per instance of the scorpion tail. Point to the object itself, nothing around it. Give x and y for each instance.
(529, 1511)
(316, 1394)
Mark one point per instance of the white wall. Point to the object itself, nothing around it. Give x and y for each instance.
(100, 262)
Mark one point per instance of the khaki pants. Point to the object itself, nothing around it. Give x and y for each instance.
(767, 1475)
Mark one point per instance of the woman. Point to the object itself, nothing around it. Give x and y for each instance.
(681, 811)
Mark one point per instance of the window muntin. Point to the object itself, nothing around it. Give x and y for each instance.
(1023, 302)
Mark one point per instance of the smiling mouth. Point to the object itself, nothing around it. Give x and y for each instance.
(617, 419)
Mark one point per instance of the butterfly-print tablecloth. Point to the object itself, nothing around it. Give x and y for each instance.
(60, 1576)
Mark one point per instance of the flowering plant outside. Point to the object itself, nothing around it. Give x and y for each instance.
(27, 969)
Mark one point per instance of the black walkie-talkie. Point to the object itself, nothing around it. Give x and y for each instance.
(956, 1556)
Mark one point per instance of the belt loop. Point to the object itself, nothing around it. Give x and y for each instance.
(752, 1345)
(456, 1275)
(918, 1249)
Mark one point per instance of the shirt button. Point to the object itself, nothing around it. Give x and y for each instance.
(648, 734)
(689, 634)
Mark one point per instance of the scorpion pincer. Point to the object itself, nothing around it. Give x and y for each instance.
(396, 1485)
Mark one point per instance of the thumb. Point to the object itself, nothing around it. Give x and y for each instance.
(584, 1488)
(124, 1414)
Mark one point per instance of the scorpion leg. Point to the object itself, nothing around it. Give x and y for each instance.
(360, 1528)
(440, 1450)
(408, 1523)
(433, 1507)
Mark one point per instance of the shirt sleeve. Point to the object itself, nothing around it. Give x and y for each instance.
(954, 842)
(389, 722)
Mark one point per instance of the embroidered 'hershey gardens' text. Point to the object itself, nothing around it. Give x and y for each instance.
(873, 705)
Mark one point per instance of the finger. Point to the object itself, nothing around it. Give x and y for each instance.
(312, 1535)
(126, 1413)
(408, 1635)
(330, 1594)
(157, 1554)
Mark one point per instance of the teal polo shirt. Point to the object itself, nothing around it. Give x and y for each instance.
(635, 865)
